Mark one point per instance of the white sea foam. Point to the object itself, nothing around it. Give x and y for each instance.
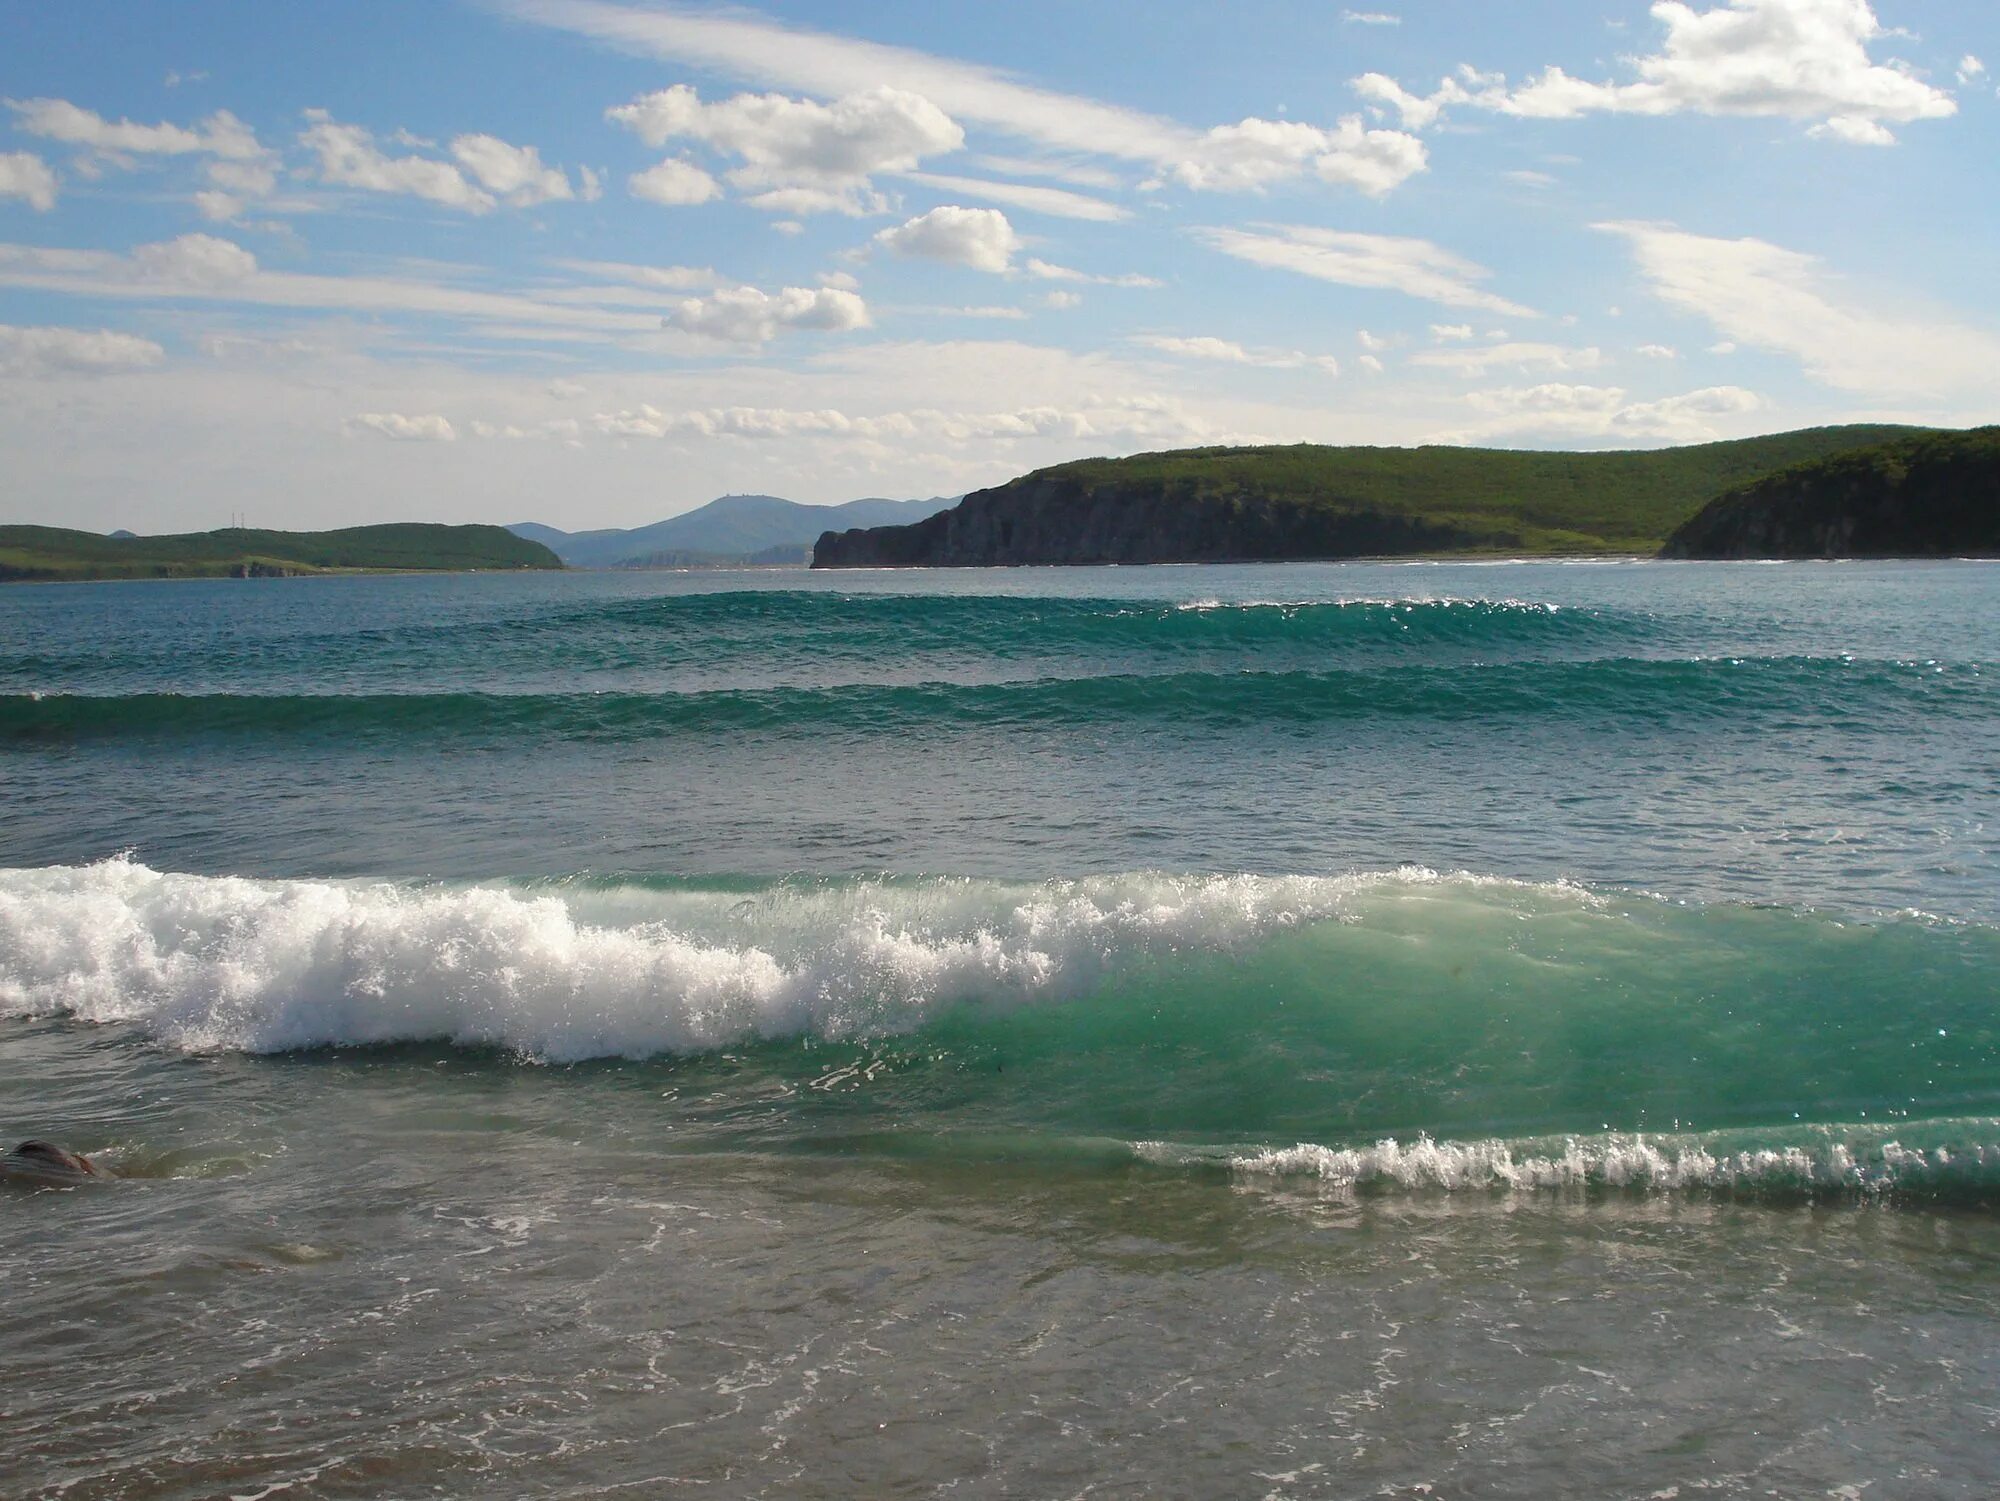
(226, 963)
(1623, 1162)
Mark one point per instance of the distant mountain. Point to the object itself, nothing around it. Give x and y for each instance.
(733, 529)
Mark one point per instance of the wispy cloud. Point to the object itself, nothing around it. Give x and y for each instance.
(1416, 268)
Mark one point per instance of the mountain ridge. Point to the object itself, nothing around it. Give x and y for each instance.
(754, 529)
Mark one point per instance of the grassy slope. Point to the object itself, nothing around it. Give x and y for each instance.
(1626, 501)
(48, 552)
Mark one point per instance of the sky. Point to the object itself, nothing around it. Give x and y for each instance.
(595, 262)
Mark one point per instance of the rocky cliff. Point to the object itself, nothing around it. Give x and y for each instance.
(1927, 497)
(1051, 518)
(1305, 500)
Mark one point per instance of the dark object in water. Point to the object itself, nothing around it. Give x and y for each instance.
(43, 1164)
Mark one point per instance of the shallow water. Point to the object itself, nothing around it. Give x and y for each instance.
(1331, 1030)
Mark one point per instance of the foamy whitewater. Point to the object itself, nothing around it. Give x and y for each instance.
(1299, 1031)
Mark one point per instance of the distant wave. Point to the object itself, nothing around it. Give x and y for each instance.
(717, 630)
(1839, 691)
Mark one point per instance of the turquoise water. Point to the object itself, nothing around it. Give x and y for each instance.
(1522, 1029)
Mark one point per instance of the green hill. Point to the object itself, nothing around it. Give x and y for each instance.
(52, 553)
(1932, 496)
(1307, 500)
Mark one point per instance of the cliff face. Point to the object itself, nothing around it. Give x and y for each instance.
(1055, 518)
(1936, 496)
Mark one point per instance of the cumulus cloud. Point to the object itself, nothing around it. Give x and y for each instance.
(1228, 352)
(194, 260)
(675, 184)
(1763, 295)
(799, 155)
(980, 238)
(221, 134)
(515, 174)
(1792, 59)
(425, 428)
(1970, 69)
(1414, 267)
(349, 157)
(25, 175)
(1659, 351)
(1254, 154)
(73, 351)
(748, 315)
(1445, 332)
(484, 170)
(1509, 356)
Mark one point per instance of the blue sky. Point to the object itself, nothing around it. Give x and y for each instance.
(594, 262)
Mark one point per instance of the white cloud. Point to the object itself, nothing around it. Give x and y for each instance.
(1228, 352)
(221, 134)
(676, 184)
(1373, 343)
(1528, 178)
(425, 428)
(1414, 267)
(1763, 295)
(1659, 351)
(349, 157)
(246, 179)
(1605, 412)
(1970, 69)
(1057, 202)
(1512, 356)
(1442, 332)
(1249, 154)
(747, 315)
(218, 208)
(1370, 18)
(1371, 364)
(1793, 59)
(1726, 346)
(206, 268)
(672, 278)
(1142, 417)
(25, 175)
(1254, 154)
(980, 238)
(1060, 301)
(194, 260)
(513, 173)
(73, 351)
(1854, 130)
(811, 157)
(1044, 271)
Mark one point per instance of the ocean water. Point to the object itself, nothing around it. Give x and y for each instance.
(1517, 1030)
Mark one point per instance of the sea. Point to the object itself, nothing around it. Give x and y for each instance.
(1513, 1029)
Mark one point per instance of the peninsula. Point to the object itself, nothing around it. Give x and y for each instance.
(53, 553)
(1934, 496)
(1213, 505)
